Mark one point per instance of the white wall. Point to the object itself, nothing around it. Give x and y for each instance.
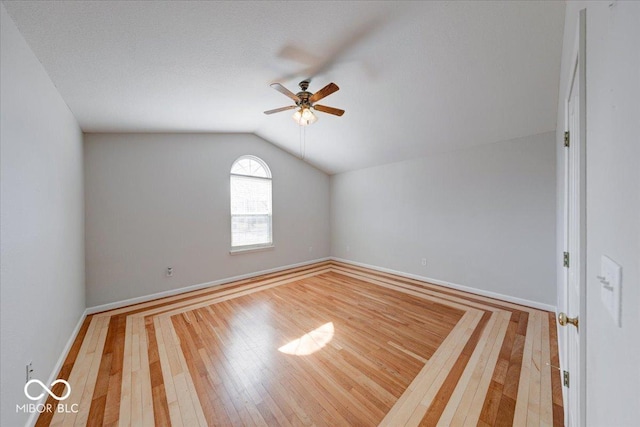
(159, 200)
(41, 222)
(613, 201)
(483, 217)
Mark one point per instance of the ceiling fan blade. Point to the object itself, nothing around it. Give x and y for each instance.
(277, 110)
(299, 55)
(330, 110)
(335, 53)
(339, 51)
(325, 91)
(285, 91)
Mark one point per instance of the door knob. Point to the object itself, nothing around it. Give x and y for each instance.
(563, 319)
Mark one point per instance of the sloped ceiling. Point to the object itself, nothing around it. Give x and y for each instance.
(415, 77)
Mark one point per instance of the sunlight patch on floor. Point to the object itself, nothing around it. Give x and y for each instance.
(310, 342)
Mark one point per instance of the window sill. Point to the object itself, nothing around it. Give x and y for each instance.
(254, 249)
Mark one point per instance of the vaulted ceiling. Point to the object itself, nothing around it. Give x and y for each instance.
(415, 78)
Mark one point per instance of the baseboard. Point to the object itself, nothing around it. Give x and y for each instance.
(31, 421)
(476, 291)
(172, 292)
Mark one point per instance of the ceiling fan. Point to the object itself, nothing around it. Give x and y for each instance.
(306, 101)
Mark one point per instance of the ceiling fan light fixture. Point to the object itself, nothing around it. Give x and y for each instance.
(305, 101)
(304, 116)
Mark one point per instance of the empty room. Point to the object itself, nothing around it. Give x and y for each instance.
(330, 213)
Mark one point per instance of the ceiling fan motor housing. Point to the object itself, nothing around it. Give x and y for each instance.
(304, 99)
(304, 95)
(304, 85)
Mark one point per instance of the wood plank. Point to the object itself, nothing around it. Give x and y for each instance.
(169, 387)
(522, 400)
(78, 376)
(46, 417)
(473, 413)
(415, 401)
(556, 383)
(400, 348)
(83, 376)
(506, 410)
(546, 402)
(124, 417)
(91, 379)
(533, 407)
(444, 395)
(491, 404)
(492, 400)
(159, 397)
(460, 401)
(196, 408)
(512, 380)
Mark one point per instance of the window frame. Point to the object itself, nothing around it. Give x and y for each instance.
(269, 177)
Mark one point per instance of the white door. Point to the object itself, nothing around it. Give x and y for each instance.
(572, 316)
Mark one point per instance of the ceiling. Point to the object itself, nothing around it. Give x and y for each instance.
(415, 78)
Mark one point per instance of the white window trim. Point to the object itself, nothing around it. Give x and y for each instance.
(251, 248)
(256, 159)
(251, 176)
(237, 250)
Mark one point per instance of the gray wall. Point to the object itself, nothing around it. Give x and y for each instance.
(41, 223)
(613, 202)
(159, 200)
(483, 217)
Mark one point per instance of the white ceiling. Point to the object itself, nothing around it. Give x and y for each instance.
(415, 77)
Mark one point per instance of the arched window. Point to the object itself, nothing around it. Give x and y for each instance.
(250, 204)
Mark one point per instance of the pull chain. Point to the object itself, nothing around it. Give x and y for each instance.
(303, 141)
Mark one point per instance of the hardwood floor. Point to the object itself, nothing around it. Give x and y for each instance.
(327, 344)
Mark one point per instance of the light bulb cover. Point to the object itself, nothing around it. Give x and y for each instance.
(304, 117)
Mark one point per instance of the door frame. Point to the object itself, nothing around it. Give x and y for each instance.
(578, 67)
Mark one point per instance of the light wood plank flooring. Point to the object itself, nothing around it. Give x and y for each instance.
(327, 344)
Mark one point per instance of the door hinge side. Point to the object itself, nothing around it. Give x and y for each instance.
(565, 378)
(565, 259)
(566, 138)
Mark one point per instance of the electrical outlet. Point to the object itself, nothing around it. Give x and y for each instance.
(29, 371)
(169, 271)
(310, 248)
(348, 248)
(424, 262)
